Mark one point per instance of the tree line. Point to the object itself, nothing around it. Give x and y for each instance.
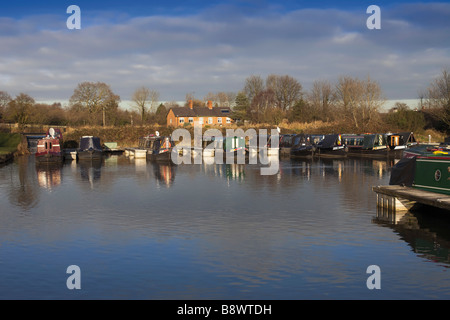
(352, 102)
(276, 99)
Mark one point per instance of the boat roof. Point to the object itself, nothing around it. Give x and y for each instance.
(329, 140)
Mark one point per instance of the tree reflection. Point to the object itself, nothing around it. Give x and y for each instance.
(24, 191)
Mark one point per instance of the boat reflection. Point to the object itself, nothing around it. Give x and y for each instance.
(49, 176)
(164, 173)
(90, 171)
(427, 233)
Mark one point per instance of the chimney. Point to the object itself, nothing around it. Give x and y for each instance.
(210, 105)
(191, 104)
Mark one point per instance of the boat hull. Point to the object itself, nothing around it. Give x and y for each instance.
(433, 174)
(370, 153)
(90, 155)
(164, 155)
(307, 152)
(332, 153)
(49, 158)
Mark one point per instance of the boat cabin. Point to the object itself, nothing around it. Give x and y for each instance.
(48, 145)
(401, 140)
(374, 142)
(353, 141)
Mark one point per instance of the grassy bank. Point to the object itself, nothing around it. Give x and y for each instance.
(9, 143)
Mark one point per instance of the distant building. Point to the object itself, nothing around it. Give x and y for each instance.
(218, 116)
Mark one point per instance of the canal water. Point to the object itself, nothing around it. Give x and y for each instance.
(139, 230)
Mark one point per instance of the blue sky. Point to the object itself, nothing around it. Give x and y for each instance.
(192, 46)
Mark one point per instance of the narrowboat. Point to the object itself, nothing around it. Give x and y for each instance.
(90, 148)
(49, 151)
(158, 148)
(233, 147)
(332, 146)
(353, 142)
(428, 169)
(286, 144)
(49, 148)
(373, 146)
(399, 142)
(302, 147)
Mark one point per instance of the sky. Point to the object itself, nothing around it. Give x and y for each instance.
(196, 47)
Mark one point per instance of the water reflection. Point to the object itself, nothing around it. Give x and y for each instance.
(24, 190)
(49, 176)
(207, 231)
(426, 230)
(90, 171)
(164, 173)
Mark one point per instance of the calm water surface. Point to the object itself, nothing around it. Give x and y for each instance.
(139, 230)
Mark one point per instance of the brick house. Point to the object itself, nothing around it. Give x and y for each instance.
(218, 116)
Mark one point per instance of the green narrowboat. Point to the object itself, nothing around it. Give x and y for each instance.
(432, 172)
(425, 167)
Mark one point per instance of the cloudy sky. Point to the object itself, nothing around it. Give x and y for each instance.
(192, 46)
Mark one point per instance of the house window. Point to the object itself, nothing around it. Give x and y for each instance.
(181, 120)
(200, 120)
(210, 120)
(228, 120)
(219, 120)
(170, 121)
(191, 120)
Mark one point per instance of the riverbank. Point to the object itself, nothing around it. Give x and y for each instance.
(11, 144)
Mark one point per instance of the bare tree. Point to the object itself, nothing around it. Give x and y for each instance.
(95, 98)
(287, 90)
(140, 98)
(359, 101)
(320, 98)
(437, 97)
(154, 99)
(253, 86)
(261, 103)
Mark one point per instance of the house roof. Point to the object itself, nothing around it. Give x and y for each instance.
(201, 112)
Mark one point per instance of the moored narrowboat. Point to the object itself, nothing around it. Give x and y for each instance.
(90, 148)
(159, 148)
(427, 169)
(286, 144)
(302, 147)
(332, 146)
(49, 151)
(373, 146)
(234, 148)
(399, 142)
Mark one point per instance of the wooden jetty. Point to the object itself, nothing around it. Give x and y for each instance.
(136, 153)
(400, 198)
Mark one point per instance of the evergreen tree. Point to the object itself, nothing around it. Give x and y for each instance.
(240, 110)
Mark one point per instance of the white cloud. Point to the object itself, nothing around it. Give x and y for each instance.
(217, 49)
